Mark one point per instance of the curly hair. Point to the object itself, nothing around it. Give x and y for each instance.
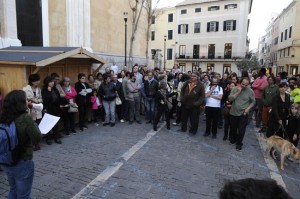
(14, 105)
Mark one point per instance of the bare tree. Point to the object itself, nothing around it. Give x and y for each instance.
(136, 8)
(150, 12)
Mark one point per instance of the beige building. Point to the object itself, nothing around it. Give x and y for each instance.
(212, 34)
(162, 40)
(289, 39)
(97, 25)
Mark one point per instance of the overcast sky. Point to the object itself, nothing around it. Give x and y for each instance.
(262, 10)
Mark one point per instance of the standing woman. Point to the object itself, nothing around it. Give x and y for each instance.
(83, 99)
(107, 92)
(280, 111)
(20, 176)
(51, 99)
(69, 117)
(34, 96)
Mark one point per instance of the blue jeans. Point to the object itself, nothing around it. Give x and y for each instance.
(110, 111)
(150, 103)
(20, 178)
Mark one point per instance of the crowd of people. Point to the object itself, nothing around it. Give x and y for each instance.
(142, 95)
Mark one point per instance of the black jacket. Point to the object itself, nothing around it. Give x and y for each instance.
(195, 98)
(150, 88)
(81, 99)
(107, 91)
(51, 101)
(120, 92)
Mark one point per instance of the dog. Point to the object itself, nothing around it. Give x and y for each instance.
(284, 147)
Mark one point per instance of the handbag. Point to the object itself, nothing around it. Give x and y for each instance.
(73, 108)
(118, 101)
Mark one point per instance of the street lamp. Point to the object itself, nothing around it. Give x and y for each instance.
(125, 14)
(165, 41)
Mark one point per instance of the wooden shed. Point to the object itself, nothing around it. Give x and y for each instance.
(17, 63)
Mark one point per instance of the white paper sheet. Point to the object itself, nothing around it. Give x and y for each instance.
(47, 123)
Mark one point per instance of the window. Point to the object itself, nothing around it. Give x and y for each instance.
(230, 6)
(213, 8)
(213, 26)
(183, 11)
(226, 68)
(183, 29)
(153, 20)
(197, 28)
(285, 34)
(290, 33)
(229, 25)
(169, 53)
(281, 37)
(196, 51)
(152, 35)
(211, 67)
(170, 17)
(275, 41)
(228, 51)
(153, 52)
(294, 70)
(288, 52)
(211, 51)
(170, 34)
(197, 9)
(182, 51)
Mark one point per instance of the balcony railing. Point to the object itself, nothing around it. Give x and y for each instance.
(209, 56)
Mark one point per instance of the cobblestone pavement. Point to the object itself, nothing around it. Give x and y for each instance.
(171, 164)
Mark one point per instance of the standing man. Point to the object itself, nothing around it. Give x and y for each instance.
(242, 98)
(192, 97)
(114, 68)
(125, 92)
(213, 94)
(258, 87)
(151, 87)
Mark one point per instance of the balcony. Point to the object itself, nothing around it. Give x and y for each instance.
(216, 56)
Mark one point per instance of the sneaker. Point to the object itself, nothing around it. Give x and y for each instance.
(85, 127)
(81, 128)
(105, 124)
(73, 131)
(96, 124)
(112, 124)
(175, 124)
(238, 147)
(122, 121)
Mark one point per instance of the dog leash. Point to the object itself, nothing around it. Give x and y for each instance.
(284, 133)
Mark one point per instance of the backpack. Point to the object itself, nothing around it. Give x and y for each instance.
(9, 148)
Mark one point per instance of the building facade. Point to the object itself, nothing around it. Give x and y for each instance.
(97, 25)
(212, 34)
(285, 46)
(163, 38)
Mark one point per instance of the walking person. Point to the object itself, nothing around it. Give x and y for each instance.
(242, 98)
(108, 93)
(213, 94)
(82, 99)
(192, 97)
(20, 175)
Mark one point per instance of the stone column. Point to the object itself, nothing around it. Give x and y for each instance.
(8, 24)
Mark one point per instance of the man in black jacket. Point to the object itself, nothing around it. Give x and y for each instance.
(192, 97)
(150, 87)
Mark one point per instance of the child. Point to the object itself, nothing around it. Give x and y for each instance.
(293, 126)
(95, 105)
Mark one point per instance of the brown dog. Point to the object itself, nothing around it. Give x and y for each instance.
(283, 146)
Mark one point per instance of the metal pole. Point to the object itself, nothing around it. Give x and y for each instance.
(125, 14)
(165, 39)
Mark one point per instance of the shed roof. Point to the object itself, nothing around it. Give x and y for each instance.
(42, 56)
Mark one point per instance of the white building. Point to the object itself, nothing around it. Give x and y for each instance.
(212, 34)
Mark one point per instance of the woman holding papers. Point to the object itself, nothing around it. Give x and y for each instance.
(20, 175)
(51, 99)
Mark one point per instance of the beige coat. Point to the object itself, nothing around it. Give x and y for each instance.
(35, 114)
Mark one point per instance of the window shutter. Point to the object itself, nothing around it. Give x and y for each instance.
(187, 28)
(224, 26)
(208, 26)
(179, 29)
(226, 6)
(234, 25)
(217, 26)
